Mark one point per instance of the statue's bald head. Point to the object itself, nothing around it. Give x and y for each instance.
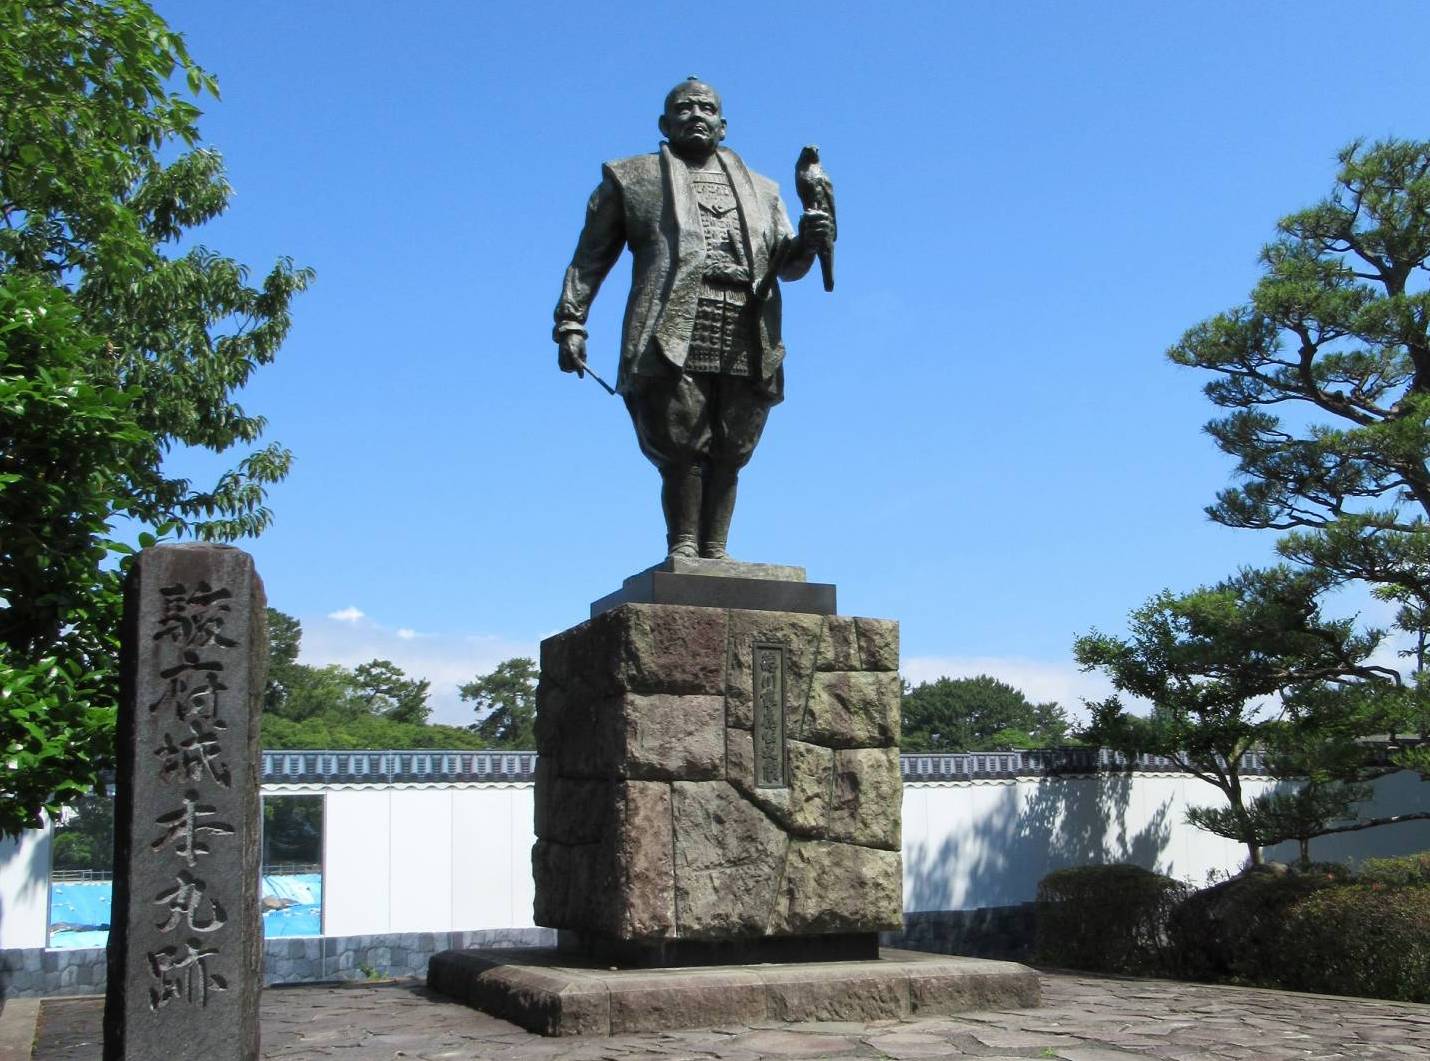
(691, 84)
(693, 120)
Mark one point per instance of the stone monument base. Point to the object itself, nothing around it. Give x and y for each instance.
(554, 993)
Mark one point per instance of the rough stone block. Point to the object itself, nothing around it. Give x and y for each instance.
(802, 808)
(831, 887)
(577, 810)
(857, 709)
(673, 737)
(878, 644)
(866, 783)
(645, 863)
(727, 860)
(667, 649)
(839, 647)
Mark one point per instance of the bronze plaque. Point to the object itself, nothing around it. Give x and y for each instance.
(769, 662)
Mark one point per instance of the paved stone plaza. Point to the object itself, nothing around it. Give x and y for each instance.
(1083, 1018)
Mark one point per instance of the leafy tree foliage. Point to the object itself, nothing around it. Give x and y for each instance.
(116, 350)
(84, 835)
(65, 438)
(977, 714)
(374, 705)
(100, 172)
(1326, 373)
(505, 702)
(364, 732)
(1224, 668)
(388, 692)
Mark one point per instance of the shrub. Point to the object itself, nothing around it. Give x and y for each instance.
(1363, 939)
(1106, 918)
(1232, 930)
(1405, 870)
(1338, 872)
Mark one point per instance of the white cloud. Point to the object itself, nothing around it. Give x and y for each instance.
(350, 614)
(406, 633)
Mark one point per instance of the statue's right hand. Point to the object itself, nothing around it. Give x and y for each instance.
(571, 353)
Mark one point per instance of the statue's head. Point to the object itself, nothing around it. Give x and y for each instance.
(693, 122)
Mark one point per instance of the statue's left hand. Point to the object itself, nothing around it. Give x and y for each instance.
(816, 231)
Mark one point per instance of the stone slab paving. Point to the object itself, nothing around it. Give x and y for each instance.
(1083, 1018)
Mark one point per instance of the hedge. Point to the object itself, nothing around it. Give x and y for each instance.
(1106, 918)
(1361, 939)
(1232, 930)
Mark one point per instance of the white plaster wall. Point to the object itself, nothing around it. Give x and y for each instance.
(427, 859)
(1400, 793)
(357, 861)
(459, 858)
(25, 889)
(976, 844)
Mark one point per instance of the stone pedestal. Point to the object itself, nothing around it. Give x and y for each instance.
(719, 784)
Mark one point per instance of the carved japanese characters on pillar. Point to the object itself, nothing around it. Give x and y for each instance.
(186, 944)
(769, 715)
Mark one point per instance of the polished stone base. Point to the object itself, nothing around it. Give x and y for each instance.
(547, 992)
(723, 584)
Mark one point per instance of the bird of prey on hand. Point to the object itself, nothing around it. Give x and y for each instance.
(816, 192)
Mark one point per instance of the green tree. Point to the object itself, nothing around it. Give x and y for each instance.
(65, 439)
(84, 835)
(387, 691)
(128, 348)
(373, 706)
(364, 732)
(977, 714)
(1222, 667)
(505, 703)
(1326, 373)
(1317, 749)
(285, 636)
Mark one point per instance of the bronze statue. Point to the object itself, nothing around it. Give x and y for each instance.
(701, 354)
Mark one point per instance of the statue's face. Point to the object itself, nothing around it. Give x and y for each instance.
(692, 121)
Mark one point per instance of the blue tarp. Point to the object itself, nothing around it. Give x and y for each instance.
(86, 903)
(305, 917)
(80, 903)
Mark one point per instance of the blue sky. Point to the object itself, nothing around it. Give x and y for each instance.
(982, 437)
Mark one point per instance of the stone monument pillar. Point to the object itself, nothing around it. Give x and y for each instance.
(186, 942)
(719, 783)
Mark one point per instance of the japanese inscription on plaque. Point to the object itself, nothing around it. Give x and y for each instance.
(186, 942)
(769, 668)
